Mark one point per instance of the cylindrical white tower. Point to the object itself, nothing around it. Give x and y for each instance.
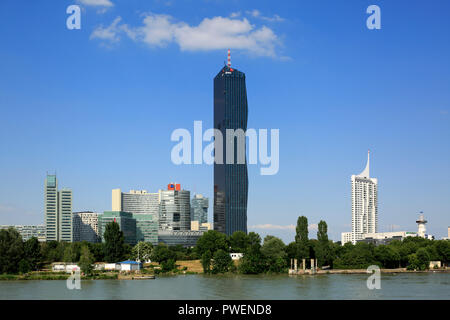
(421, 222)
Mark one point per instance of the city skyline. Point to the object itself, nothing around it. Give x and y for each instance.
(325, 87)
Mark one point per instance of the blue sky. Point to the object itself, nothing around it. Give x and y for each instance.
(98, 105)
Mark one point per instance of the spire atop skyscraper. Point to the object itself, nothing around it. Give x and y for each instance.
(229, 59)
(366, 172)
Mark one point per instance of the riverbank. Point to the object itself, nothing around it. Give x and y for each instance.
(364, 271)
(184, 267)
(36, 275)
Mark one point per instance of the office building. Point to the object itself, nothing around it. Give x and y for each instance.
(57, 210)
(146, 228)
(380, 238)
(85, 227)
(230, 179)
(199, 209)
(186, 238)
(125, 221)
(28, 232)
(144, 208)
(135, 201)
(196, 226)
(346, 237)
(174, 209)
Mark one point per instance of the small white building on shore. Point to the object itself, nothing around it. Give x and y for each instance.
(130, 265)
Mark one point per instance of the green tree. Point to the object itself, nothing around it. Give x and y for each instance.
(32, 251)
(114, 243)
(206, 261)
(322, 232)
(11, 250)
(52, 251)
(24, 266)
(86, 260)
(168, 265)
(211, 241)
(253, 242)
(443, 250)
(387, 255)
(419, 260)
(358, 256)
(70, 255)
(301, 238)
(274, 252)
(164, 256)
(238, 241)
(291, 250)
(323, 250)
(142, 251)
(253, 261)
(97, 251)
(222, 262)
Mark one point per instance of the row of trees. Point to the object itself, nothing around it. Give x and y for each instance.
(414, 253)
(214, 248)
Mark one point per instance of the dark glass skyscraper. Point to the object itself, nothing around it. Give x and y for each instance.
(230, 180)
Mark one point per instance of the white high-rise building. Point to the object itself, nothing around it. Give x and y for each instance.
(135, 201)
(364, 204)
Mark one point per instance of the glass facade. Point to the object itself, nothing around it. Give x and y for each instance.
(199, 209)
(126, 223)
(146, 228)
(230, 179)
(175, 210)
(186, 238)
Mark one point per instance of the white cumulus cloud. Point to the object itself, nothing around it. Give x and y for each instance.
(257, 14)
(159, 30)
(109, 33)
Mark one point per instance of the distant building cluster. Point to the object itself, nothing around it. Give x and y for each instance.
(168, 216)
(28, 232)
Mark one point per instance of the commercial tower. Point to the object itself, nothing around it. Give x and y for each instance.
(144, 208)
(364, 204)
(174, 208)
(230, 179)
(58, 211)
(199, 209)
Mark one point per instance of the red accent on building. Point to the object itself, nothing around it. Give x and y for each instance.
(173, 186)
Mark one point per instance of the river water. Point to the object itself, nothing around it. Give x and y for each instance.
(331, 286)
